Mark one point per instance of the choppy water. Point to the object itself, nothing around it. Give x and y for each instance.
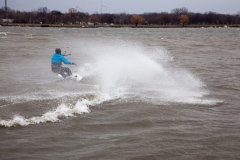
(145, 94)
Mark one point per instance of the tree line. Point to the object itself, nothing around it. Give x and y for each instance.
(177, 16)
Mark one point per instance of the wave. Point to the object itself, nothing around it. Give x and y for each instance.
(51, 116)
(62, 111)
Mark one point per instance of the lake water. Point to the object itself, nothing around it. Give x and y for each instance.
(145, 94)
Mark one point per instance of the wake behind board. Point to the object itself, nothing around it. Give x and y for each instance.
(74, 76)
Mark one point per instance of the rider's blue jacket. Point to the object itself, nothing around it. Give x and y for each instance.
(58, 59)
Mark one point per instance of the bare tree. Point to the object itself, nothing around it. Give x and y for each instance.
(164, 18)
(179, 11)
(107, 18)
(42, 14)
(94, 19)
(73, 14)
(122, 18)
(238, 13)
(43, 11)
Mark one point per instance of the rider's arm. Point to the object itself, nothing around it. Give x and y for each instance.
(66, 61)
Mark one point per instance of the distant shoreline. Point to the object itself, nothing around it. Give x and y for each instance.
(117, 26)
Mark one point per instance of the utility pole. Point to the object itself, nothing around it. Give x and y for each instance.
(6, 9)
(78, 13)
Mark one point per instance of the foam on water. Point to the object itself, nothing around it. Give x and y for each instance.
(3, 33)
(51, 116)
(62, 111)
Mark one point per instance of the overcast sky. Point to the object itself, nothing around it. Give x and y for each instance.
(128, 6)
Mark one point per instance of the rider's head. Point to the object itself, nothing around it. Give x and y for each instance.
(58, 50)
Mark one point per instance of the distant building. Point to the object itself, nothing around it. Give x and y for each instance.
(7, 20)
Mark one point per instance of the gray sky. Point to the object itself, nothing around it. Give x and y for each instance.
(128, 6)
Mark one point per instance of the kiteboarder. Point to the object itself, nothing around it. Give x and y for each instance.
(57, 60)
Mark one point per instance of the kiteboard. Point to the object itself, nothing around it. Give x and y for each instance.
(74, 76)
